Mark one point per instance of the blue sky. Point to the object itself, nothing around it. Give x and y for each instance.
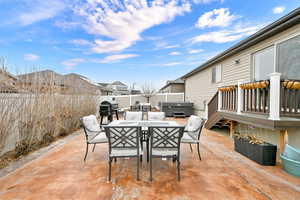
(134, 41)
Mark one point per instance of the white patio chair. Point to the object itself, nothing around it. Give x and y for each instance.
(192, 132)
(93, 133)
(156, 116)
(124, 142)
(133, 116)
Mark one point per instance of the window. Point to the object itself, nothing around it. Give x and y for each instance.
(263, 62)
(288, 58)
(216, 74)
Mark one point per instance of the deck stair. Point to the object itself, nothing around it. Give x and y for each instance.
(214, 117)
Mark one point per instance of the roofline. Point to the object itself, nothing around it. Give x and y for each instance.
(168, 85)
(279, 25)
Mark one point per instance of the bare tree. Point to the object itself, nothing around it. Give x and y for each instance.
(148, 91)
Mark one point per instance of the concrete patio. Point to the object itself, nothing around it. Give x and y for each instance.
(60, 173)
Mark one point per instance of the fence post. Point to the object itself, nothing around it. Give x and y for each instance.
(239, 97)
(274, 96)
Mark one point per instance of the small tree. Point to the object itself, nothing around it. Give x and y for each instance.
(148, 91)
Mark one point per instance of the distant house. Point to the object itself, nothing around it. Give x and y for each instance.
(47, 80)
(175, 86)
(7, 82)
(119, 88)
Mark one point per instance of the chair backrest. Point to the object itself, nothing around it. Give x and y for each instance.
(133, 116)
(90, 126)
(146, 108)
(135, 107)
(156, 116)
(195, 125)
(123, 137)
(165, 137)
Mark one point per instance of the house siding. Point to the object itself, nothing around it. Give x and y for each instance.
(198, 87)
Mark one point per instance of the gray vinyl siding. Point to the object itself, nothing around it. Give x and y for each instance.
(199, 88)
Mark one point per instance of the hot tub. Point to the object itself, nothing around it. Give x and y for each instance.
(291, 160)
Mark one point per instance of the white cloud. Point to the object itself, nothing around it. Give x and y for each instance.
(193, 51)
(123, 21)
(174, 53)
(41, 10)
(114, 58)
(278, 9)
(73, 62)
(31, 57)
(206, 1)
(171, 46)
(81, 42)
(216, 18)
(224, 36)
(172, 64)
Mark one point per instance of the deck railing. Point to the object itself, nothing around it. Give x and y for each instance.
(212, 106)
(229, 97)
(290, 98)
(256, 98)
(274, 97)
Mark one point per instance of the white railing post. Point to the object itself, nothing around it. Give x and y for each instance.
(219, 100)
(239, 97)
(206, 110)
(274, 96)
(130, 100)
(166, 97)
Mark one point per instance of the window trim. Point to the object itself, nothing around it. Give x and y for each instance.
(291, 36)
(252, 63)
(221, 73)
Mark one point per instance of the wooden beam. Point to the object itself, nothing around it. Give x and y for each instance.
(232, 128)
(283, 139)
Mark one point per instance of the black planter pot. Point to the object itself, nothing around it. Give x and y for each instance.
(264, 154)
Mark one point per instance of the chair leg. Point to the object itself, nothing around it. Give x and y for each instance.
(178, 169)
(150, 168)
(191, 147)
(138, 169)
(198, 147)
(86, 151)
(147, 145)
(101, 120)
(94, 147)
(109, 173)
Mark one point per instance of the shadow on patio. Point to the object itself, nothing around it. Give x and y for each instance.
(222, 174)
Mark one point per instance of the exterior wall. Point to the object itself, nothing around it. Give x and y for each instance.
(198, 87)
(174, 88)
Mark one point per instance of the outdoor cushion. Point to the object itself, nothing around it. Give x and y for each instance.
(187, 138)
(156, 116)
(100, 138)
(193, 124)
(164, 152)
(116, 152)
(134, 116)
(91, 124)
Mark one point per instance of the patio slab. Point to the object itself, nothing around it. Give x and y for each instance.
(222, 174)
